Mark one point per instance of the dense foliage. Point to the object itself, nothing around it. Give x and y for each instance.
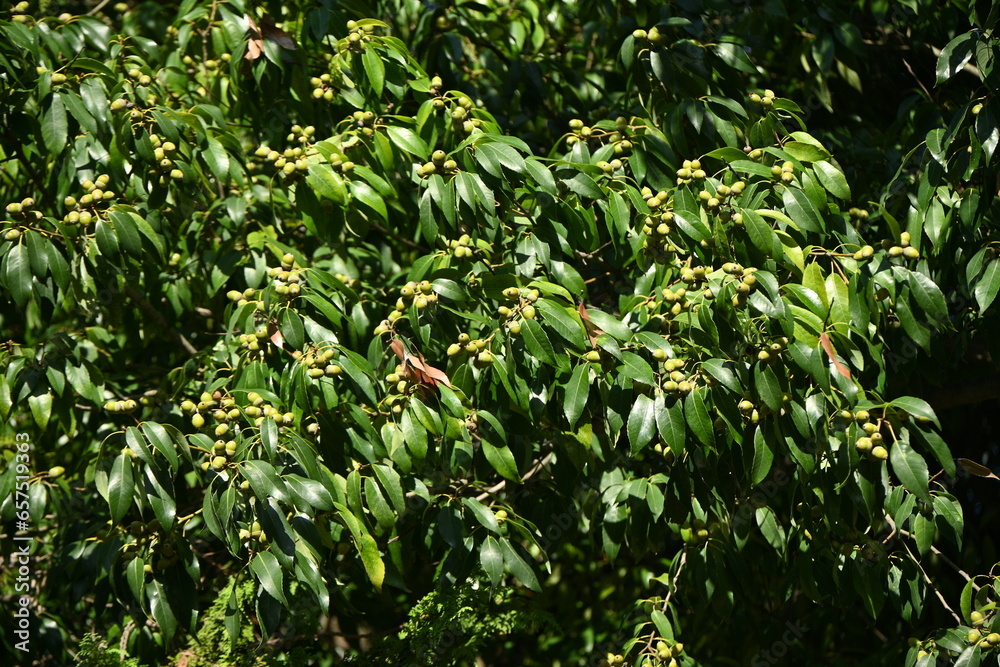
(533, 333)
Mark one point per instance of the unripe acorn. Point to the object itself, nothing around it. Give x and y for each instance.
(880, 453)
(56, 472)
(594, 356)
(118, 105)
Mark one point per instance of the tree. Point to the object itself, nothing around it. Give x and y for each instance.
(529, 333)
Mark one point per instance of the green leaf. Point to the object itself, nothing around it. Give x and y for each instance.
(537, 342)
(375, 69)
(484, 515)
(121, 487)
(641, 423)
(917, 407)
(518, 566)
(268, 571)
(763, 457)
(584, 185)
(415, 435)
(577, 391)
(671, 425)
(159, 608)
(234, 617)
(735, 56)
(41, 408)
(609, 324)
(55, 126)
(970, 657)
(372, 560)
(805, 152)
(491, 558)
(269, 435)
(833, 179)
(910, 468)
(378, 505)
(409, 141)
(17, 274)
(801, 209)
(988, 286)
(502, 460)
(264, 480)
(325, 182)
(217, 160)
(698, 420)
(928, 295)
(722, 373)
(767, 386)
(954, 56)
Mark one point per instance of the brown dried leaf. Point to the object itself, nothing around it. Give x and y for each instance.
(976, 469)
(593, 331)
(255, 44)
(275, 34)
(824, 340)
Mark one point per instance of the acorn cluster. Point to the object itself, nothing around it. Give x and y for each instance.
(164, 153)
(476, 349)
(675, 302)
(253, 532)
(291, 162)
(322, 87)
(698, 531)
(752, 413)
(903, 249)
(744, 280)
(462, 247)
(653, 35)
(353, 283)
(460, 111)
(210, 65)
(521, 308)
(690, 171)
(580, 132)
(872, 443)
(121, 407)
(979, 622)
(256, 342)
(657, 243)
(613, 660)
(784, 171)
(223, 451)
(288, 280)
(439, 164)
(23, 210)
(319, 363)
(420, 294)
(152, 543)
(713, 201)
(92, 202)
(19, 13)
(400, 390)
(667, 652)
(139, 78)
(771, 353)
(766, 101)
(358, 35)
(664, 450)
(223, 411)
(621, 144)
(609, 168)
(678, 383)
